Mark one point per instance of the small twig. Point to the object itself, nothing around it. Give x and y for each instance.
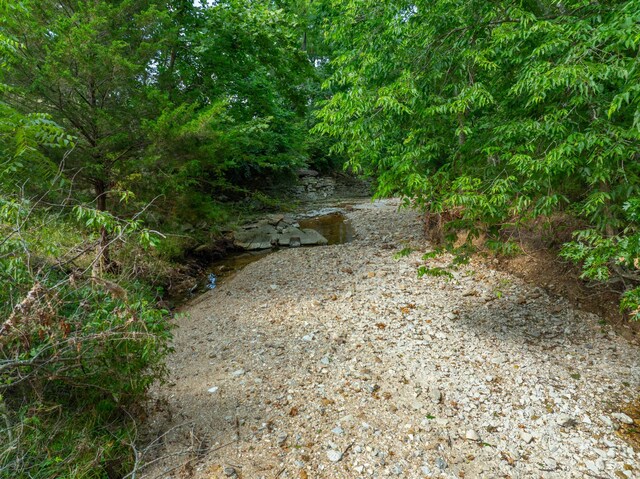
(222, 446)
(347, 448)
(5, 414)
(150, 445)
(84, 250)
(594, 475)
(167, 471)
(199, 453)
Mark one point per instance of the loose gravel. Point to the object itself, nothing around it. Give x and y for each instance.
(340, 362)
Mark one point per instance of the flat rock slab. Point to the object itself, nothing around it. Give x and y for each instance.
(261, 237)
(268, 236)
(297, 237)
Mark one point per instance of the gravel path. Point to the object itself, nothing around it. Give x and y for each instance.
(339, 362)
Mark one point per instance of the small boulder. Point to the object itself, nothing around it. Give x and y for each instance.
(262, 237)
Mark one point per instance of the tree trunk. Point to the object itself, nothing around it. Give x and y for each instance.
(609, 225)
(103, 260)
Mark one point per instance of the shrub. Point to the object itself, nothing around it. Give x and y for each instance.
(77, 350)
(77, 354)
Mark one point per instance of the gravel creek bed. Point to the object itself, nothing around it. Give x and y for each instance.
(339, 362)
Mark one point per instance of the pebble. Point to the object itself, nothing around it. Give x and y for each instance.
(372, 388)
(282, 438)
(606, 420)
(435, 395)
(229, 471)
(334, 456)
(397, 470)
(213, 389)
(238, 373)
(593, 466)
(550, 464)
(471, 435)
(441, 464)
(623, 418)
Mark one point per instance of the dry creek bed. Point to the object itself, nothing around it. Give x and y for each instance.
(339, 362)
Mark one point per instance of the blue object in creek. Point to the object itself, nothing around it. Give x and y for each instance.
(212, 281)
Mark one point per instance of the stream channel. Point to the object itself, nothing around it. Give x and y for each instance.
(329, 222)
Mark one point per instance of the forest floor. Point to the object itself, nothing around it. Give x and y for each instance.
(339, 362)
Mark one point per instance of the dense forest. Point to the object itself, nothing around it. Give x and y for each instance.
(128, 127)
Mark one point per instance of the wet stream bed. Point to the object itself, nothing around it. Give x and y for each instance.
(333, 226)
(330, 223)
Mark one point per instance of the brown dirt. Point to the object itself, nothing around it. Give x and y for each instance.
(631, 432)
(557, 277)
(541, 265)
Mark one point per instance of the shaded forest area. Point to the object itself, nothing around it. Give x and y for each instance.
(121, 122)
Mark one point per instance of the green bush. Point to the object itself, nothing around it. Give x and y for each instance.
(78, 348)
(76, 357)
(503, 112)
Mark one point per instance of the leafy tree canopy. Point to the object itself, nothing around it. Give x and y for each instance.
(501, 111)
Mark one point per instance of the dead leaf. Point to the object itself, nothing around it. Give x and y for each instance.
(508, 458)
